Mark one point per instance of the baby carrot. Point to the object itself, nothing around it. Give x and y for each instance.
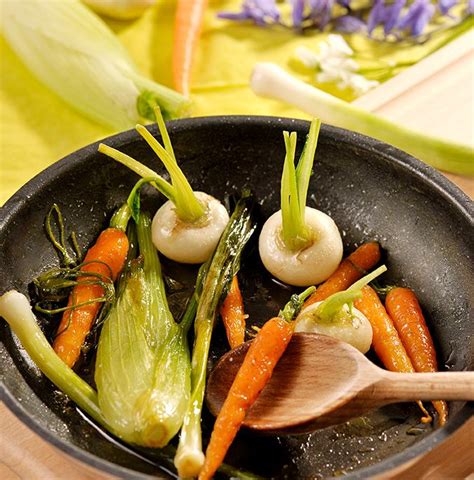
(386, 341)
(188, 23)
(405, 311)
(351, 269)
(254, 373)
(232, 313)
(105, 259)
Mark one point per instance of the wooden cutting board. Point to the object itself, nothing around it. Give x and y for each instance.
(435, 96)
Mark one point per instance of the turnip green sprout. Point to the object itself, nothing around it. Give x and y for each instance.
(188, 226)
(298, 244)
(337, 317)
(269, 80)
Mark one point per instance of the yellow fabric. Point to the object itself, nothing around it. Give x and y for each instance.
(37, 128)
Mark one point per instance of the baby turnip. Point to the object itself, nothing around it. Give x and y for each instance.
(337, 317)
(188, 226)
(300, 245)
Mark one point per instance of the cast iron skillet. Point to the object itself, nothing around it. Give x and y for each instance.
(372, 191)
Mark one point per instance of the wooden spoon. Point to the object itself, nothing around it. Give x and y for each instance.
(322, 381)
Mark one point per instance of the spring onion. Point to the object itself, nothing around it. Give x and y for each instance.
(75, 54)
(269, 80)
(225, 261)
(16, 310)
(298, 244)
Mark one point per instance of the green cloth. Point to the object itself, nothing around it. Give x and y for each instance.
(37, 128)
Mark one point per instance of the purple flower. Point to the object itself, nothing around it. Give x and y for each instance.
(298, 12)
(376, 16)
(446, 5)
(321, 12)
(392, 15)
(350, 24)
(261, 12)
(417, 17)
(470, 7)
(344, 3)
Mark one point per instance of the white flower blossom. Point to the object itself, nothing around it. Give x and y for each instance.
(335, 64)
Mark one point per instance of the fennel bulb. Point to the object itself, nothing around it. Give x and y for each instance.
(73, 52)
(269, 80)
(143, 370)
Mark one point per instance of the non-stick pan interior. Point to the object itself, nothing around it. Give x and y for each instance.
(371, 190)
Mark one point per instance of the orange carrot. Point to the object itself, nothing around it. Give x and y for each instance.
(254, 373)
(105, 258)
(188, 24)
(355, 266)
(232, 313)
(405, 311)
(386, 341)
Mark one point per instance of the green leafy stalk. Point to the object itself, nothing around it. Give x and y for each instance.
(16, 310)
(332, 306)
(292, 308)
(294, 189)
(188, 207)
(271, 81)
(143, 371)
(159, 182)
(189, 457)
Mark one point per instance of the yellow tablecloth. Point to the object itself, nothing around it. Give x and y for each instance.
(37, 128)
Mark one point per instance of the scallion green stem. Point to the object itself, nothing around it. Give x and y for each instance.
(16, 310)
(189, 457)
(269, 80)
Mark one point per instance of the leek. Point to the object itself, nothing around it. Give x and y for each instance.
(73, 52)
(271, 81)
(222, 267)
(143, 371)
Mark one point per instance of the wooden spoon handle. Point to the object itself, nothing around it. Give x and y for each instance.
(394, 387)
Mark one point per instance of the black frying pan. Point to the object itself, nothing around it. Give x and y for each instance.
(372, 191)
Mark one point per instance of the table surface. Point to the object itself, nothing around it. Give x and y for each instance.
(417, 98)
